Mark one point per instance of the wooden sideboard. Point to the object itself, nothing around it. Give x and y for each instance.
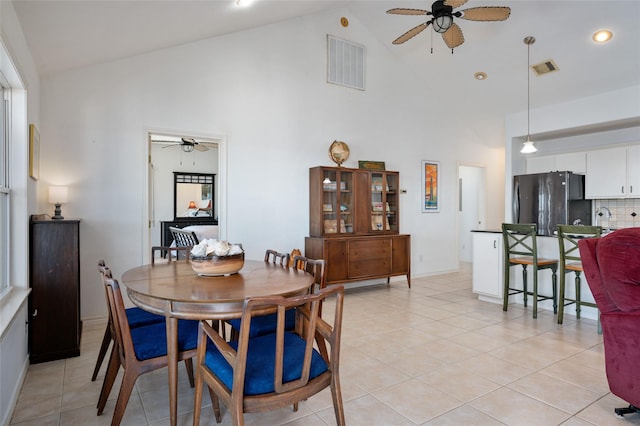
(54, 303)
(362, 258)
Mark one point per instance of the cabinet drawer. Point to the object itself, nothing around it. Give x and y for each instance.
(369, 257)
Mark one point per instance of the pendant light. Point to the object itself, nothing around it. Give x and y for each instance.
(528, 147)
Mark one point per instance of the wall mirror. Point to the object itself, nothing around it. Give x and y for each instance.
(193, 195)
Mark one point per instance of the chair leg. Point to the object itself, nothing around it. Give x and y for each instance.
(336, 395)
(554, 283)
(109, 378)
(215, 404)
(535, 293)
(561, 298)
(505, 286)
(188, 363)
(578, 296)
(627, 410)
(128, 381)
(197, 400)
(106, 340)
(524, 284)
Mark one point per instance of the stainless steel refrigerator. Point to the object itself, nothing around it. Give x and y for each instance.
(549, 199)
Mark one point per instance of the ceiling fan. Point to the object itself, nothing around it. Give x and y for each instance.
(187, 144)
(442, 19)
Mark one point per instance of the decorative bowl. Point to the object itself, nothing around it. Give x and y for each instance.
(213, 266)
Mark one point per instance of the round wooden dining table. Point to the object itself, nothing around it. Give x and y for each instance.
(174, 290)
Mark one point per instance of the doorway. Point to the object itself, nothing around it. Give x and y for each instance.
(168, 153)
(471, 207)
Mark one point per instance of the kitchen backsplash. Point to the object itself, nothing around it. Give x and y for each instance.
(625, 213)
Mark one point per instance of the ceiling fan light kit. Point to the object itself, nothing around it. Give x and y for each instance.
(443, 16)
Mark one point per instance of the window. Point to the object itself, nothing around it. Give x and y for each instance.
(5, 193)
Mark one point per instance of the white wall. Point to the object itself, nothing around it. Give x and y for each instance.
(266, 92)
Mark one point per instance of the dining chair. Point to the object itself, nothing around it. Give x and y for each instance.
(139, 350)
(521, 248)
(168, 253)
(136, 317)
(568, 237)
(257, 374)
(277, 257)
(315, 267)
(184, 238)
(265, 323)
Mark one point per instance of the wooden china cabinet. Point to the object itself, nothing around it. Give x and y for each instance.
(354, 224)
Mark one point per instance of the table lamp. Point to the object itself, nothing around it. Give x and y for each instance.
(58, 196)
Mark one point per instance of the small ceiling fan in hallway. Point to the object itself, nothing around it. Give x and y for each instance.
(187, 144)
(442, 19)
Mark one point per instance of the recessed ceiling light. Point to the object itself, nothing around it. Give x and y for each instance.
(480, 75)
(602, 36)
(243, 3)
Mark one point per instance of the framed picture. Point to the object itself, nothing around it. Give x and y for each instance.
(371, 165)
(34, 152)
(430, 186)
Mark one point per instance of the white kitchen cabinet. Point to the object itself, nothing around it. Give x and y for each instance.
(633, 171)
(613, 173)
(487, 266)
(573, 162)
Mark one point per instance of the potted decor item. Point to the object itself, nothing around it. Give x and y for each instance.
(216, 258)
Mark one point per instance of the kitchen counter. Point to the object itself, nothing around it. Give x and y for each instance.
(488, 266)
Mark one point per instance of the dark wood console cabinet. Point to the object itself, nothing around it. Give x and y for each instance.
(354, 223)
(54, 302)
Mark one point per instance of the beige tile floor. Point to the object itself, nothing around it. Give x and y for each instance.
(429, 355)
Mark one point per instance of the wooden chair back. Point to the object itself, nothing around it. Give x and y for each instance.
(276, 257)
(169, 252)
(309, 325)
(316, 267)
(183, 238)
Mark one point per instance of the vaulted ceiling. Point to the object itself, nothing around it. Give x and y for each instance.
(63, 35)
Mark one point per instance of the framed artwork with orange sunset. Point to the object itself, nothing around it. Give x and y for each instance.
(430, 186)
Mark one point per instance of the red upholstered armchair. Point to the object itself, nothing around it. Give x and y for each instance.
(612, 267)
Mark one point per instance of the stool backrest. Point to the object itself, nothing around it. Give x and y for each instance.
(520, 240)
(568, 237)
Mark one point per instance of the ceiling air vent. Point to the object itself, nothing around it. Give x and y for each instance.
(544, 67)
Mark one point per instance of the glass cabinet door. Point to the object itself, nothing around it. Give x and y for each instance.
(384, 201)
(337, 204)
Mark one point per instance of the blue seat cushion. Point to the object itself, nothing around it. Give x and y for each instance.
(265, 324)
(138, 317)
(150, 341)
(260, 363)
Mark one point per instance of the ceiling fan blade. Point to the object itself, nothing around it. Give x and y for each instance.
(403, 11)
(411, 33)
(201, 147)
(455, 3)
(453, 36)
(487, 13)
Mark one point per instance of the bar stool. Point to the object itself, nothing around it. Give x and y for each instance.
(520, 248)
(568, 237)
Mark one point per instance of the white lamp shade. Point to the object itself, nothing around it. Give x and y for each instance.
(528, 147)
(58, 194)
